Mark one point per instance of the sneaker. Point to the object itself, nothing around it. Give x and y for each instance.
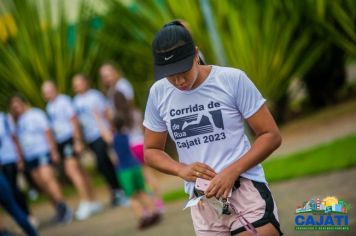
(64, 215)
(160, 206)
(144, 223)
(86, 209)
(155, 219)
(95, 207)
(119, 199)
(83, 211)
(149, 221)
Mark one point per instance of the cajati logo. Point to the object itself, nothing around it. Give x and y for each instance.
(329, 213)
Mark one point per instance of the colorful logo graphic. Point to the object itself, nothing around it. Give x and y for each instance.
(329, 213)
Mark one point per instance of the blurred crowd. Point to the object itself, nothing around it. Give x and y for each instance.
(36, 142)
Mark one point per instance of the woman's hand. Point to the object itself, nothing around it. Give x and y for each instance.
(222, 183)
(196, 170)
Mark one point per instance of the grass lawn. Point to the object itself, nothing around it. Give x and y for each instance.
(337, 155)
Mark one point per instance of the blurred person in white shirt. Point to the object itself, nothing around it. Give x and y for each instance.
(66, 128)
(39, 150)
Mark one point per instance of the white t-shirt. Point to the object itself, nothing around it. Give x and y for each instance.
(60, 112)
(8, 152)
(207, 123)
(124, 86)
(30, 129)
(86, 105)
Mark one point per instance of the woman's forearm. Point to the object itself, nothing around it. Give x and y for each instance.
(160, 160)
(262, 147)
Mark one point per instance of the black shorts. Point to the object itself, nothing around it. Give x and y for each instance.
(66, 149)
(38, 161)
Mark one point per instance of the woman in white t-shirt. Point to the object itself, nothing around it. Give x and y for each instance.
(67, 134)
(92, 110)
(39, 150)
(203, 109)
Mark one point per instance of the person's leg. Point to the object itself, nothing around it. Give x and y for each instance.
(44, 177)
(147, 202)
(139, 186)
(75, 173)
(33, 189)
(104, 165)
(10, 173)
(10, 205)
(255, 200)
(43, 174)
(136, 206)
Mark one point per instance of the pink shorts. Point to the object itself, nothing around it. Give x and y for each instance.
(252, 199)
(137, 150)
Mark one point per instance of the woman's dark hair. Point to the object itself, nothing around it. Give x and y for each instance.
(119, 122)
(173, 35)
(19, 96)
(114, 65)
(123, 109)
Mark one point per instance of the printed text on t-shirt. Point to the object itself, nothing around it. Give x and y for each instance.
(198, 120)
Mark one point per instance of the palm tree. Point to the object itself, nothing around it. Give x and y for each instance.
(45, 46)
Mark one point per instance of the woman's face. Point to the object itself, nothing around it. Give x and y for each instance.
(80, 85)
(108, 75)
(49, 91)
(17, 107)
(186, 80)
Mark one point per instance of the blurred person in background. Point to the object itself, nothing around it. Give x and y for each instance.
(134, 127)
(115, 86)
(67, 133)
(129, 172)
(12, 161)
(88, 103)
(7, 201)
(112, 81)
(39, 150)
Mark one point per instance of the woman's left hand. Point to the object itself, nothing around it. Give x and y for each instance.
(222, 183)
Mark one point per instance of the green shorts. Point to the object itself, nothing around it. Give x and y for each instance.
(132, 180)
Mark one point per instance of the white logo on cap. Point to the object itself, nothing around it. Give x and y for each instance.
(168, 58)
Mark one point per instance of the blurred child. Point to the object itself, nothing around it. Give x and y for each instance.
(129, 173)
(133, 120)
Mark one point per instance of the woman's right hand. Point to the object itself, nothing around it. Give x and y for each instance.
(196, 170)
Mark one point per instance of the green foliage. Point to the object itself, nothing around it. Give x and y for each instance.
(334, 19)
(273, 41)
(174, 195)
(333, 156)
(263, 39)
(46, 46)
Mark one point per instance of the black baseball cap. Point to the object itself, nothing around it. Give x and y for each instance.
(173, 50)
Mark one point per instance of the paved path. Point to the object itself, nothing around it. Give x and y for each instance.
(120, 221)
(322, 127)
